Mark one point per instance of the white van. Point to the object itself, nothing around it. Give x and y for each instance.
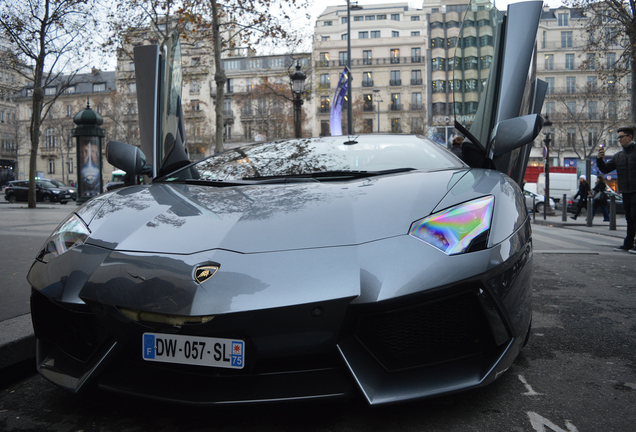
(561, 183)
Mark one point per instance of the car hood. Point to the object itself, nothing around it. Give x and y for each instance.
(185, 219)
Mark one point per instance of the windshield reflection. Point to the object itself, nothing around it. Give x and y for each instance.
(310, 156)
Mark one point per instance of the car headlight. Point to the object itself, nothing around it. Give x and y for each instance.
(71, 233)
(56, 192)
(454, 230)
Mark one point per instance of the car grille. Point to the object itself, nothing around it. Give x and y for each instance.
(426, 334)
(77, 333)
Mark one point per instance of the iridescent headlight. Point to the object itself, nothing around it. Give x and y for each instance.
(71, 233)
(452, 231)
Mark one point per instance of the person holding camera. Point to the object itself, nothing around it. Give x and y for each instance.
(624, 162)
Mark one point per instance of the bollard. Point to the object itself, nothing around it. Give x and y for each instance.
(534, 208)
(590, 211)
(564, 208)
(612, 203)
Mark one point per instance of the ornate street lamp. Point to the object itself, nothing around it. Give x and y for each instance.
(378, 99)
(298, 88)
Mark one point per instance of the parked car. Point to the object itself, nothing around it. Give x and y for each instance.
(536, 200)
(302, 269)
(45, 191)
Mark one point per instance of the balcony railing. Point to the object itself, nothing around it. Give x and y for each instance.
(395, 107)
(366, 108)
(324, 109)
(395, 82)
(359, 62)
(416, 106)
(416, 81)
(367, 83)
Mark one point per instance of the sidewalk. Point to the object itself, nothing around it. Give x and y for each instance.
(580, 224)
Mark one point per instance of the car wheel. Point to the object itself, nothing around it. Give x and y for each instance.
(539, 207)
(12, 199)
(46, 199)
(63, 202)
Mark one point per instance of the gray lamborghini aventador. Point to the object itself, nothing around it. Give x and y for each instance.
(374, 265)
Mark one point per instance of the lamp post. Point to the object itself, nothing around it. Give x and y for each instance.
(378, 100)
(546, 141)
(349, 104)
(298, 88)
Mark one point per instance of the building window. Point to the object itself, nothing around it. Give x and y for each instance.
(395, 34)
(395, 55)
(396, 127)
(324, 104)
(611, 60)
(415, 18)
(69, 166)
(550, 82)
(230, 85)
(591, 83)
(132, 87)
(325, 38)
(327, 23)
(325, 129)
(367, 57)
(416, 101)
(99, 87)
(69, 110)
(51, 166)
(367, 126)
(375, 34)
(69, 90)
(324, 59)
(358, 18)
(369, 18)
(194, 103)
(342, 58)
(195, 86)
(344, 36)
(363, 35)
(415, 33)
(569, 62)
(549, 108)
(566, 39)
(590, 62)
(571, 108)
(324, 81)
(367, 79)
(592, 137)
(416, 77)
(416, 55)
(344, 20)
(50, 91)
(570, 84)
(439, 64)
(367, 103)
(396, 102)
(549, 62)
(592, 110)
(563, 20)
(49, 138)
(381, 17)
(395, 78)
(570, 135)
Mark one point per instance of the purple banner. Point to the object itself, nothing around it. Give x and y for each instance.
(335, 120)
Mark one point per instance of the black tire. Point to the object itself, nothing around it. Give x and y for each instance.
(46, 199)
(63, 202)
(539, 207)
(12, 199)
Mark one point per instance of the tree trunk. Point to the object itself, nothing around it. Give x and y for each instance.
(219, 78)
(633, 90)
(38, 98)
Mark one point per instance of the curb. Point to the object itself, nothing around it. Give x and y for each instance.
(17, 341)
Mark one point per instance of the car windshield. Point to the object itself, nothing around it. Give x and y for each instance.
(46, 185)
(300, 157)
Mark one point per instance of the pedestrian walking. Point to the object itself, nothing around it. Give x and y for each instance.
(624, 162)
(600, 198)
(583, 192)
(456, 146)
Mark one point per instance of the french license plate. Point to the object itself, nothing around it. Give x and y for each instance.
(193, 350)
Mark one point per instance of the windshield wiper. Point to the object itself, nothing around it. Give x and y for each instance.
(326, 175)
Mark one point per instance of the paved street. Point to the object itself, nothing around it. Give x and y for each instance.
(578, 372)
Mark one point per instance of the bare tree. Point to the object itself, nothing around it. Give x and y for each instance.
(611, 27)
(584, 116)
(50, 38)
(242, 24)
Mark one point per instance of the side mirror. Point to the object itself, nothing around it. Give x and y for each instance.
(514, 133)
(127, 158)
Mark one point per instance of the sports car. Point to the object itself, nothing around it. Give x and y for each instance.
(380, 266)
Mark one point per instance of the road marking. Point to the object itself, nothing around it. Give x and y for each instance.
(530, 391)
(539, 423)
